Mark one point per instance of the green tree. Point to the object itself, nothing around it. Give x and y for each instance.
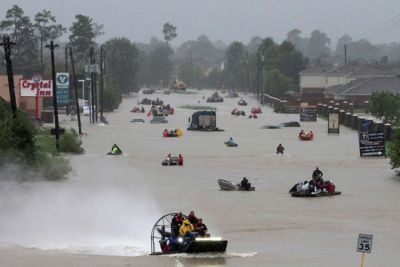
(393, 151)
(22, 32)
(318, 45)
(277, 83)
(169, 32)
(235, 56)
(83, 34)
(186, 72)
(385, 106)
(160, 65)
(45, 24)
(121, 62)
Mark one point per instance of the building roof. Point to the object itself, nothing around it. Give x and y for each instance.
(317, 70)
(364, 70)
(366, 86)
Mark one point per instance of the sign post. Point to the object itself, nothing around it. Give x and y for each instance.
(333, 123)
(62, 82)
(364, 245)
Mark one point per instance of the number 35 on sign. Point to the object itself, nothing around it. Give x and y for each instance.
(364, 243)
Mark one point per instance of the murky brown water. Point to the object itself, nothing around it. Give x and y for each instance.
(264, 228)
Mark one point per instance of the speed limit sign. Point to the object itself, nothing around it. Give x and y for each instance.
(364, 244)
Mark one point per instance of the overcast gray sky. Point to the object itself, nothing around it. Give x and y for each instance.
(228, 20)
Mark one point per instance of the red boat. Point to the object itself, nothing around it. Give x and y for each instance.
(306, 136)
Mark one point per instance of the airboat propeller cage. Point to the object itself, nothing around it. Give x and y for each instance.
(162, 229)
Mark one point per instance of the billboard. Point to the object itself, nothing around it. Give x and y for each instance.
(36, 87)
(333, 123)
(371, 143)
(308, 113)
(62, 84)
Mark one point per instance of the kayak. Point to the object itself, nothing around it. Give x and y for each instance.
(229, 186)
(308, 194)
(231, 144)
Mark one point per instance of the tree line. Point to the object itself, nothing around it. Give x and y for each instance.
(260, 64)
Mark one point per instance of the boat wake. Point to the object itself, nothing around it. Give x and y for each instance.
(213, 255)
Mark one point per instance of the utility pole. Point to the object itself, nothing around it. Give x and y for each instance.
(258, 77)
(101, 82)
(66, 70)
(345, 54)
(6, 44)
(191, 67)
(78, 112)
(52, 46)
(92, 82)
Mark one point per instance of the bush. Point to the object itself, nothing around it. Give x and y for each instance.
(393, 151)
(70, 142)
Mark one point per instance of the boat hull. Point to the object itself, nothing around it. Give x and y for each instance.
(306, 194)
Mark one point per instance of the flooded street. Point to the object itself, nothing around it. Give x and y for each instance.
(107, 207)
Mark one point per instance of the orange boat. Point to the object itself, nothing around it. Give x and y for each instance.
(306, 136)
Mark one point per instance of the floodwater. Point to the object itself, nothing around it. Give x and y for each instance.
(103, 215)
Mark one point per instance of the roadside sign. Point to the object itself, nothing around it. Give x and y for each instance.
(364, 243)
(333, 123)
(62, 83)
(371, 143)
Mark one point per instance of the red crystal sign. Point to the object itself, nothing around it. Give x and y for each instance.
(36, 87)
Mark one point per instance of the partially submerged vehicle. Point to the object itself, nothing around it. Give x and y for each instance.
(291, 124)
(271, 126)
(229, 186)
(163, 240)
(205, 120)
(237, 112)
(158, 119)
(215, 98)
(145, 101)
(148, 91)
(137, 120)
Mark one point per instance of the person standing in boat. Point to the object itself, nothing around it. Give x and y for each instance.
(280, 149)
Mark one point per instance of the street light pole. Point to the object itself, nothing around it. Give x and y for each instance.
(83, 88)
(262, 79)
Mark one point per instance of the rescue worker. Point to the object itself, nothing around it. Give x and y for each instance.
(180, 160)
(201, 228)
(186, 228)
(176, 223)
(115, 150)
(193, 219)
(280, 149)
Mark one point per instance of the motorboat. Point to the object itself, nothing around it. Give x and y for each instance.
(229, 186)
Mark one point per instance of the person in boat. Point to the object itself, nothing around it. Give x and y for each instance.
(165, 133)
(180, 160)
(186, 230)
(176, 223)
(168, 158)
(230, 141)
(193, 219)
(318, 182)
(244, 184)
(115, 149)
(201, 228)
(301, 133)
(280, 149)
(142, 110)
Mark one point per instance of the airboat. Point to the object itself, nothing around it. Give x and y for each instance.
(163, 240)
